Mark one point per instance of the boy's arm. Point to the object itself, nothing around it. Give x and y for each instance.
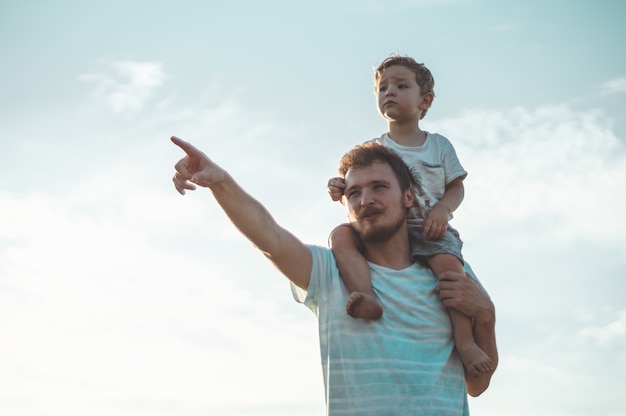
(464, 294)
(436, 222)
(252, 219)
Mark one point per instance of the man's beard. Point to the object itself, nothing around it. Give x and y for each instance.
(382, 232)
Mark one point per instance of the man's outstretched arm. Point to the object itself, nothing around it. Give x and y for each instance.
(250, 217)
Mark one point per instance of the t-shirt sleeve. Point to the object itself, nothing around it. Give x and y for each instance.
(320, 275)
(452, 165)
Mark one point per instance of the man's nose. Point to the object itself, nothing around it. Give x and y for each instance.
(367, 198)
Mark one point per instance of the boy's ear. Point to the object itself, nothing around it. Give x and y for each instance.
(427, 100)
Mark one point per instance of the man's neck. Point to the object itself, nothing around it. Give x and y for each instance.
(394, 253)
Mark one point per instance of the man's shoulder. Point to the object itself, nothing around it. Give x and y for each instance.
(321, 273)
(323, 259)
(315, 249)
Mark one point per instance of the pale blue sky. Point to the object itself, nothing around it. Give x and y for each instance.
(119, 297)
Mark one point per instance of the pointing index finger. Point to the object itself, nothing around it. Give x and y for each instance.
(187, 147)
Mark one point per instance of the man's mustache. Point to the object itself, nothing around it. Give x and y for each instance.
(368, 212)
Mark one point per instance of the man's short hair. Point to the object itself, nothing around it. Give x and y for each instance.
(367, 154)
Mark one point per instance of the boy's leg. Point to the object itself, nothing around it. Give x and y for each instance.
(355, 273)
(474, 359)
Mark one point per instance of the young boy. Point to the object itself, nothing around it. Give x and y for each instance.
(405, 92)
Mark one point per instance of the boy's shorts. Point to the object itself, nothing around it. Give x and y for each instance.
(421, 247)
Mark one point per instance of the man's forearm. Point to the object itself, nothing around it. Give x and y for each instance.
(247, 214)
(254, 221)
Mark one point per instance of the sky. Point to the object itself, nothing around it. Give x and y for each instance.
(120, 297)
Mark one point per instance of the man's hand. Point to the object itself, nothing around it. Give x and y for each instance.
(462, 293)
(335, 188)
(195, 168)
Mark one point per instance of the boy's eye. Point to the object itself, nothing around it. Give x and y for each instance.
(402, 86)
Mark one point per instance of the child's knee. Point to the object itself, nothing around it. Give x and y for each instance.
(341, 236)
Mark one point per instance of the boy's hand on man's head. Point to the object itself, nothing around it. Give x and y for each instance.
(335, 188)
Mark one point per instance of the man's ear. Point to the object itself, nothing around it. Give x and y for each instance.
(409, 198)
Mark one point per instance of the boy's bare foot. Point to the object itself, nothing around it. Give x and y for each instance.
(474, 359)
(363, 306)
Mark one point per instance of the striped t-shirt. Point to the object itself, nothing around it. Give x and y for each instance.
(403, 364)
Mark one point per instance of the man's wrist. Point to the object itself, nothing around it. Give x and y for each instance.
(224, 183)
(487, 316)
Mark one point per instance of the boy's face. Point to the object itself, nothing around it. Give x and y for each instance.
(399, 97)
(377, 207)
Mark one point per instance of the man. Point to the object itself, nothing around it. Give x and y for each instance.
(403, 364)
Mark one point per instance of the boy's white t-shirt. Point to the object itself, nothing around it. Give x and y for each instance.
(435, 161)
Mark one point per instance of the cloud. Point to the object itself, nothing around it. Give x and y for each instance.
(551, 166)
(608, 333)
(163, 289)
(541, 219)
(614, 86)
(93, 294)
(126, 85)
